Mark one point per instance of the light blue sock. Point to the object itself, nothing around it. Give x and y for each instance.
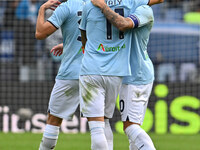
(50, 137)
(98, 138)
(139, 137)
(108, 134)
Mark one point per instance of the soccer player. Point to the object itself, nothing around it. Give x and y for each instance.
(136, 89)
(105, 62)
(64, 98)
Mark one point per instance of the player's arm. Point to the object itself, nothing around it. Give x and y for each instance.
(45, 28)
(82, 26)
(142, 16)
(114, 18)
(117, 20)
(152, 2)
(83, 37)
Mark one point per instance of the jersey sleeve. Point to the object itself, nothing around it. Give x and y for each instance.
(141, 2)
(60, 15)
(83, 22)
(142, 16)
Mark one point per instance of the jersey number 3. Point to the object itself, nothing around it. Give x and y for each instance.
(79, 13)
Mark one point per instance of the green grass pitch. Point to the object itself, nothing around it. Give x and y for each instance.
(30, 141)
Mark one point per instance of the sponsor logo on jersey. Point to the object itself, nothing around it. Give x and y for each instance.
(110, 49)
(82, 49)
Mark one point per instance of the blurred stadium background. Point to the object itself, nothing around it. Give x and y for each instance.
(27, 70)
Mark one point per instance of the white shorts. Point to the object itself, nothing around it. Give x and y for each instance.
(64, 98)
(133, 102)
(98, 95)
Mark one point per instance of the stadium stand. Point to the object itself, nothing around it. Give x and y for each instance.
(27, 69)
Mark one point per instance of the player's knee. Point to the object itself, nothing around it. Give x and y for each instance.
(53, 120)
(132, 131)
(126, 124)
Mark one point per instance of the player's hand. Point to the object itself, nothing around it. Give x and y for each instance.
(57, 50)
(98, 3)
(51, 4)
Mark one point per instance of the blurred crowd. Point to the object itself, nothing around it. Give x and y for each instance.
(31, 58)
(17, 29)
(177, 10)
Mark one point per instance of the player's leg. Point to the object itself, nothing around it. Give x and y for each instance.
(63, 103)
(95, 105)
(113, 85)
(51, 133)
(92, 96)
(108, 133)
(98, 138)
(134, 100)
(138, 138)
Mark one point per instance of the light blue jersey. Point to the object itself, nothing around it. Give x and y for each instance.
(141, 65)
(107, 50)
(67, 16)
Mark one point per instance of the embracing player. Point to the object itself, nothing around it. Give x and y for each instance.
(136, 89)
(105, 62)
(64, 98)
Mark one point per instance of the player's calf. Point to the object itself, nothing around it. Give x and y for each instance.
(108, 134)
(98, 139)
(50, 137)
(139, 137)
